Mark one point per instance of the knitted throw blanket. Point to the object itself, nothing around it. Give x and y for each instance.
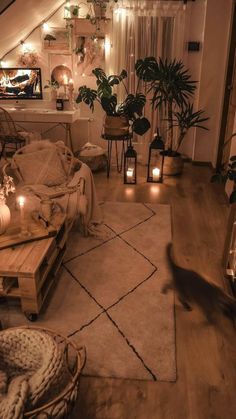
(31, 370)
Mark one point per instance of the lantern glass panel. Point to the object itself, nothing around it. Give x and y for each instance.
(155, 165)
(130, 166)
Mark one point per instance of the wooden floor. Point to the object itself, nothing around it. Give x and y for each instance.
(206, 353)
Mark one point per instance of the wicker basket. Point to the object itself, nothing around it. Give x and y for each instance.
(74, 359)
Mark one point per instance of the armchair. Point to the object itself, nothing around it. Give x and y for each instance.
(9, 136)
(48, 170)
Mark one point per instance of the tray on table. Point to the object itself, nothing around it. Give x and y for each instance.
(37, 231)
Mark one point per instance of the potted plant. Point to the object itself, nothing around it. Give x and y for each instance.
(54, 86)
(172, 90)
(227, 171)
(120, 117)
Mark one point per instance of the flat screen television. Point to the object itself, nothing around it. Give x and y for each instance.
(20, 83)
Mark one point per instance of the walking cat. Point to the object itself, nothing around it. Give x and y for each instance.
(193, 288)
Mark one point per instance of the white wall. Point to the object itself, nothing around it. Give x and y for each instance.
(212, 76)
(193, 59)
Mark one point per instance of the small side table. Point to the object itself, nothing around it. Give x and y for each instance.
(119, 158)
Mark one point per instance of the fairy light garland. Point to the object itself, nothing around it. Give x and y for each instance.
(22, 42)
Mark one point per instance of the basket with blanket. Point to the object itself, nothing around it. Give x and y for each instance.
(47, 170)
(39, 373)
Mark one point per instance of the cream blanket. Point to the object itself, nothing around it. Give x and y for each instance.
(72, 200)
(32, 371)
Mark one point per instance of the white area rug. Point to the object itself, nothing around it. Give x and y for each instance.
(109, 295)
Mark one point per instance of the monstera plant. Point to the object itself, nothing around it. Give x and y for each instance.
(128, 112)
(172, 91)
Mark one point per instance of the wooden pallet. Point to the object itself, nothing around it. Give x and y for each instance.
(33, 266)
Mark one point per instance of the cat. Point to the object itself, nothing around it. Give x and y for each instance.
(193, 288)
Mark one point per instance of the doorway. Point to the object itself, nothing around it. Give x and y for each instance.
(229, 105)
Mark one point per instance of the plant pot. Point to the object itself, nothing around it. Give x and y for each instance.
(74, 11)
(173, 165)
(116, 125)
(5, 218)
(99, 11)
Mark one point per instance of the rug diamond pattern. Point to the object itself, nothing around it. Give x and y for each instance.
(134, 337)
(109, 296)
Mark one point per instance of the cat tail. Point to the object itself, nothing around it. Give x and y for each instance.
(169, 252)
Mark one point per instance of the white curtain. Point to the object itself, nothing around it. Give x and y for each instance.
(142, 28)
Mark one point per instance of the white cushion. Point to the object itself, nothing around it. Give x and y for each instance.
(41, 167)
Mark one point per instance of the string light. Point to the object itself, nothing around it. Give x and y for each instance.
(45, 26)
(27, 47)
(3, 64)
(32, 31)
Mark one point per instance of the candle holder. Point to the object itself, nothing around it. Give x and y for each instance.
(130, 166)
(156, 160)
(71, 95)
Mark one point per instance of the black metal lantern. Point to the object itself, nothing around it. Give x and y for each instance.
(156, 159)
(130, 166)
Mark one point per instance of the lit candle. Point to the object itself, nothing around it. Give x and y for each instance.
(71, 83)
(130, 173)
(21, 202)
(65, 79)
(156, 174)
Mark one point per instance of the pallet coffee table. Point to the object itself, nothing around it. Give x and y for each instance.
(28, 270)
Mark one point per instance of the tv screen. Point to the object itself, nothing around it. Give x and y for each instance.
(20, 83)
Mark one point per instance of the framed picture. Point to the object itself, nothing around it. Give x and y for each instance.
(90, 53)
(58, 39)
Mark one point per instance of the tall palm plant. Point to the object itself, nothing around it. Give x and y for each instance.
(172, 89)
(185, 119)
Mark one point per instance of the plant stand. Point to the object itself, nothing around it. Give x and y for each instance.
(119, 156)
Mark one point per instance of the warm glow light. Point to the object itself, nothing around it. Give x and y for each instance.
(130, 173)
(83, 75)
(21, 201)
(155, 190)
(26, 47)
(71, 82)
(121, 12)
(45, 27)
(65, 80)
(3, 63)
(129, 191)
(107, 46)
(156, 173)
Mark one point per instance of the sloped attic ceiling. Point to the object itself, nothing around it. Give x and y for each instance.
(20, 18)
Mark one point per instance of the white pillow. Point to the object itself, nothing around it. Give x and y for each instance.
(42, 167)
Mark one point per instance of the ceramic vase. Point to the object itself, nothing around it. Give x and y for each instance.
(5, 218)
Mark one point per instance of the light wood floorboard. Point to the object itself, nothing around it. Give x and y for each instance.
(206, 353)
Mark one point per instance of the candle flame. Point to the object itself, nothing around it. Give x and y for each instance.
(21, 201)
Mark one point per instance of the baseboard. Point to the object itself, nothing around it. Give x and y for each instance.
(203, 163)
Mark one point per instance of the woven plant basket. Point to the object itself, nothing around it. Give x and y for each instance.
(61, 405)
(116, 125)
(173, 165)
